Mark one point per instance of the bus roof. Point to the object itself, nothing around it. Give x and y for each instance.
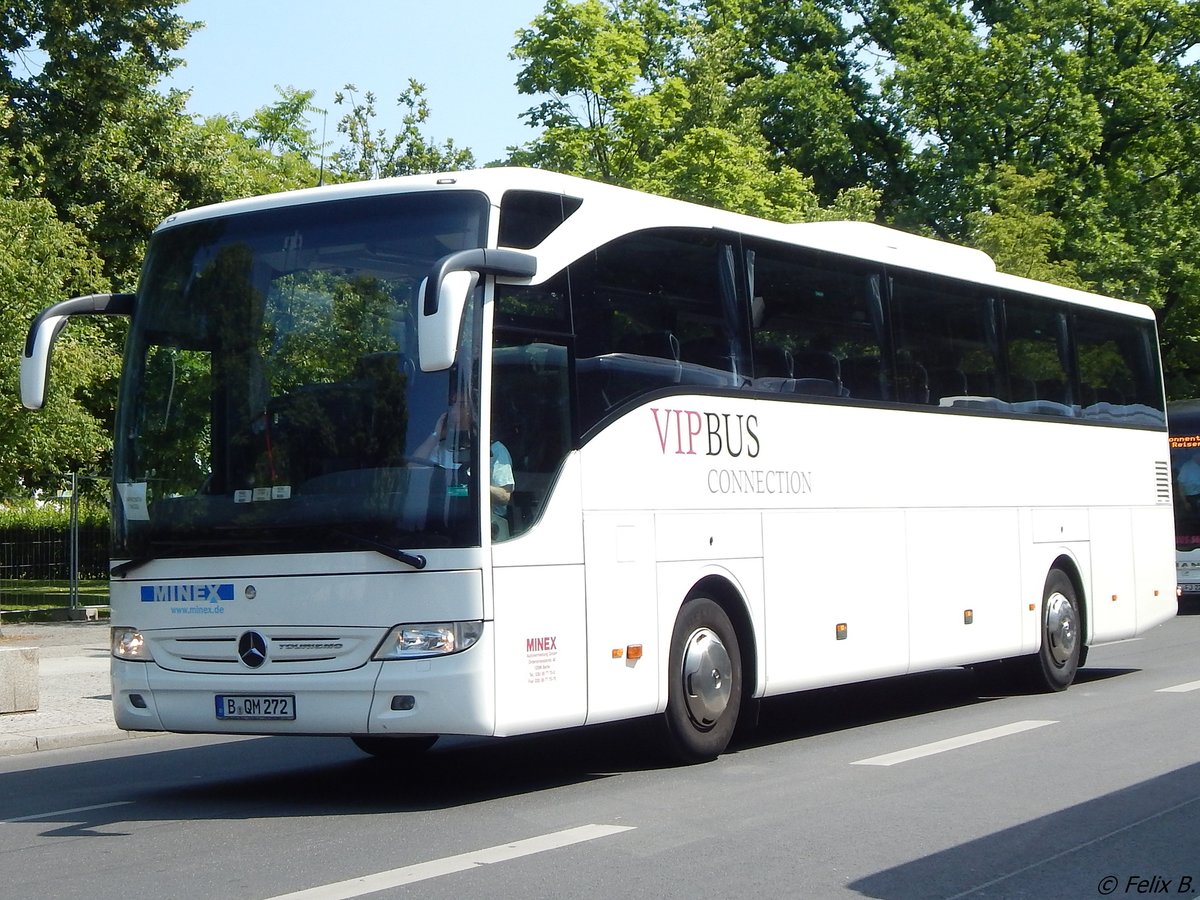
(607, 210)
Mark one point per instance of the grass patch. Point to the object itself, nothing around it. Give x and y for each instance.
(50, 594)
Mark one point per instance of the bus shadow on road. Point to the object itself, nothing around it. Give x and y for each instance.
(827, 710)
(283, 777)
(1090, 675)
(1129, 842)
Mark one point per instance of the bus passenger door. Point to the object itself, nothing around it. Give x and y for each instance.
(538, 616)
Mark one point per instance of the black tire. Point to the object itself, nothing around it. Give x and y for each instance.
(1054, 666)
(704, 683)
(399, 747)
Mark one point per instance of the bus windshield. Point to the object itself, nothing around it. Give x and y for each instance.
(272, 401)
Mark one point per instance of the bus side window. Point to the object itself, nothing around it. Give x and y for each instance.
(650, 314)
(943, 329)
(1038, 357)
(815, 323)
(1118, 368)
(531, 418)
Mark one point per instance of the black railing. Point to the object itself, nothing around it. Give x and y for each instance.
(47, 550)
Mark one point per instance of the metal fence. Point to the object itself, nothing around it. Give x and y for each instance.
(50, 554)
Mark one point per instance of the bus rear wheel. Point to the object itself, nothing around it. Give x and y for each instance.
(704, 683)
(1054, 666)
(398, 747)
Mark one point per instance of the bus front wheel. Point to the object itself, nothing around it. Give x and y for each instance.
(1054, 666)
(704, 684)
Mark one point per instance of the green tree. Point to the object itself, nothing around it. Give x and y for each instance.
(801, 72)
(1097, 102)
(643, 94)
(282, 127)
(372, 153)
(43, 257)
(274, 149)
(90, 132)
(1019, 232)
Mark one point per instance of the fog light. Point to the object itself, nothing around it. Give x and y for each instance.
(137, 701)
(403, 702)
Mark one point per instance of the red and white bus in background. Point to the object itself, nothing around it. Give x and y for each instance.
(504, 451)
(1183, 417)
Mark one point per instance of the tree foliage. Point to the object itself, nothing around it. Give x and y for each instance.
(373, 153)
(648, 94)
(91, 132)
(43, 257)
(1062, 137)
(1097, 104)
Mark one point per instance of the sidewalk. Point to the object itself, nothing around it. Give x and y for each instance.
(74, 703)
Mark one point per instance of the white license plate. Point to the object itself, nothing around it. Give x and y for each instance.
(1191, 588)
(256, 706)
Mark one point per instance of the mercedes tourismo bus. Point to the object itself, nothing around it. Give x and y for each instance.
(1183, 417)
(503, 451)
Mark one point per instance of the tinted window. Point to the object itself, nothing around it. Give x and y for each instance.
(1038, 357)
(528, 217)
(531, 421)
(1119, 375)
(815, 323)
(653, 310)
(945, 341)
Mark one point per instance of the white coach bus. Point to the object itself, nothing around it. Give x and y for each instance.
(504, 451)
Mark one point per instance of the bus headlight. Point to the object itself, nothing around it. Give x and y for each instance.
(428, 639)
(128, 643)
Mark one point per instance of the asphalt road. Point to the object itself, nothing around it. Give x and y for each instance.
(937, 785)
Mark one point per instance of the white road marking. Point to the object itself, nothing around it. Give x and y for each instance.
(65, 812)
(1180, 688)
(954, 743)
(368, 884)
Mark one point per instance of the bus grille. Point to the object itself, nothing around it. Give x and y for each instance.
(289, 650)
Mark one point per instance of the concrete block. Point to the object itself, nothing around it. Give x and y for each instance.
(18, 679)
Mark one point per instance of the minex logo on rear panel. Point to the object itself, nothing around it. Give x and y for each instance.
(187, 593)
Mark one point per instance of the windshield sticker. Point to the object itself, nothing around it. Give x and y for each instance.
(133, 501)
(258, 495)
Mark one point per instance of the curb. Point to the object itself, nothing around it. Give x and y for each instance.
(65, 737)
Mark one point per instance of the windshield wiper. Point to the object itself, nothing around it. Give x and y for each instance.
(122, 569)
(416, 560)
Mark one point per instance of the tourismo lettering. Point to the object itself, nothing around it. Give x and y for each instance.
(187, 593)
(716, 434)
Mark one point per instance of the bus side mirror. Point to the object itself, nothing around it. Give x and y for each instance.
(437, 334)
(445, 292)
(39, 344)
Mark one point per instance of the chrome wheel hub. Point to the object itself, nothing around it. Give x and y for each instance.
(1062, 628)
(706, 677)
